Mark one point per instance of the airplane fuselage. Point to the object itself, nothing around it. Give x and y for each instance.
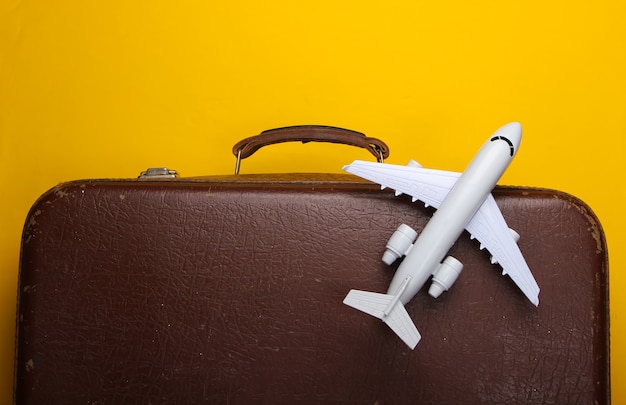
(455, 212)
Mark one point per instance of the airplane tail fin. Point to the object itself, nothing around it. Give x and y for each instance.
(378, 305)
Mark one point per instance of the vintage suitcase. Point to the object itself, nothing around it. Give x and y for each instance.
(229, 289)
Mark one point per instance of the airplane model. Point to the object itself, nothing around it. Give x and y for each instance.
(463, 201)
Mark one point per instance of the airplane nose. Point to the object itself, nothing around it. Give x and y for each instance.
(512, 132)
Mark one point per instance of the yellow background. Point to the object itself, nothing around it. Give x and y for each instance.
(94, 89)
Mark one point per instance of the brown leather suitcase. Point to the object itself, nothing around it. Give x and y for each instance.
(229, 289)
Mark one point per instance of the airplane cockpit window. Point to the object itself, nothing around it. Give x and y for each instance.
(495, 138)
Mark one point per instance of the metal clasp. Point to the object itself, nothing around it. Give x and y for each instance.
(158, 173)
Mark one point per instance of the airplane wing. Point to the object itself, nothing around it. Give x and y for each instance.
(490, 228)
(398, 319)
(427, 185)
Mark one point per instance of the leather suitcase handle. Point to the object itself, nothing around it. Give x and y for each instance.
(309, 133)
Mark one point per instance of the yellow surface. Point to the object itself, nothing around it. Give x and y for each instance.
(108, 88)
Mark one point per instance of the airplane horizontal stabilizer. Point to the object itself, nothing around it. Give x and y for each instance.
(397, 319)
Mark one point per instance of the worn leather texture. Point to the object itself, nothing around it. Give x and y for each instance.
(229, 290)
(309, 133)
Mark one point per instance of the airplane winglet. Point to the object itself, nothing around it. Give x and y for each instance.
(535, 299)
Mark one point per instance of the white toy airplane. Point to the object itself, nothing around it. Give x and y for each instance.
(463, 201)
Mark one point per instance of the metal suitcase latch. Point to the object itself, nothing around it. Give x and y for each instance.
(158, 173)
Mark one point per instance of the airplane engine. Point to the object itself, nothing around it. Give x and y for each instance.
(399, 244)
(445, 275)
